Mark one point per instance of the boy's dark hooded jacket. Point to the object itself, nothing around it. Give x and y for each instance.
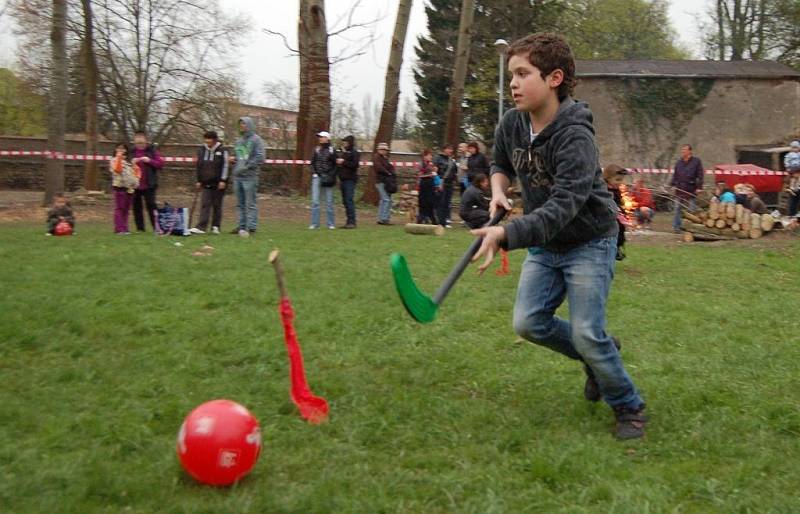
(566, 201)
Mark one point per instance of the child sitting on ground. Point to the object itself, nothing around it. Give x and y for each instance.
(474, 208)
(645, 207)
(723, 194)
(59, 212)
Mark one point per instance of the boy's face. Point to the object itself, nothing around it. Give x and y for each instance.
(448, 151)
(323, 140)
(472, 150)
(59, 201)
(140, 141)
(484, 184)
(528, 89)
(616, 181)
(210, 142)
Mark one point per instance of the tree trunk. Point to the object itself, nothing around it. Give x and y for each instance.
(296, 181)
(91, 78)
(453, 126)
(391, 92)
(57, 101)
(319, 84)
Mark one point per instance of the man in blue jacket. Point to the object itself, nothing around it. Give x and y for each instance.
(248, 156)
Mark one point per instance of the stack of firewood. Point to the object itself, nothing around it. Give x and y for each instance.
(725, 221)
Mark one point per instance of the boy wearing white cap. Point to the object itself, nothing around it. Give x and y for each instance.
(323, 178)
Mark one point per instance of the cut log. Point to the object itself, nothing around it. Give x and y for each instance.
(713, 210)
(736, 227)
(739, 213)
(755, 233)
(720, 223)
(743, 234)
(691, 217)
(688, 237)
(703, 215)
(416, 228)
(767, 221)
(710, 223)
(755, 221)
(707, 236)
(730, 221)
(730, 210)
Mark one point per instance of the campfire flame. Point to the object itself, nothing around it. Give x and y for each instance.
(629, 204)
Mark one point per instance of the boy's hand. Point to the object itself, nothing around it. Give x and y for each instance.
(339, 160)
(232, 159)
(198, 185)
(61, 218)
(498, 201)
(492, 237)
(145, 159)
(221, 185)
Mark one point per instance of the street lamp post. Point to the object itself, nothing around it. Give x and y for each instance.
(501, 46)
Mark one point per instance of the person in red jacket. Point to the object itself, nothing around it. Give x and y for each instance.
(645, 208)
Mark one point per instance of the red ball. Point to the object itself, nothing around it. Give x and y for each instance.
(63, 228)
(219, 442)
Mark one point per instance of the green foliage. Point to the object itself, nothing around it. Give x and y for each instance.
(601, 29)
(653, 106)
(620, 29)
(107, 342)
(22, 113)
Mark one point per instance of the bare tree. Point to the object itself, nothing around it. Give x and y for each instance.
(315, 62)
(453, 127)
(156, 59)
(391, 91)
(90, 74)
(57, 101)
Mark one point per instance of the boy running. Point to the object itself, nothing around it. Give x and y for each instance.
(569, 227)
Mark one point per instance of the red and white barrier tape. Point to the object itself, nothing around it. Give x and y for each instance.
(78, 157)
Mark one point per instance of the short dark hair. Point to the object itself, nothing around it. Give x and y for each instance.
(127, 149)
(475, 145)
(686, 145)
(140, 132)
(445, 147)
(427, 151)
(478, 178)
(548, 52)
(211, 134)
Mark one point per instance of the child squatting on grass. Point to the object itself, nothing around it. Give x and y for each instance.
(58, 213)
(569, 227)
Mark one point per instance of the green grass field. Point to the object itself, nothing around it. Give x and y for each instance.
(107, 342)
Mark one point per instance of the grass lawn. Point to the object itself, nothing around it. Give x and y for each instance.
(107, 342)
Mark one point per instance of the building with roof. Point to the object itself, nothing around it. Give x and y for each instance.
(644, 110)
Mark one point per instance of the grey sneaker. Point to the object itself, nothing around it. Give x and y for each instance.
(244, 233)
(630, 423)
(591, 391)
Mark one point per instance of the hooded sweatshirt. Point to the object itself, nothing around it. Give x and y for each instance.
(566, 201)
(212, 165)
(249, 151)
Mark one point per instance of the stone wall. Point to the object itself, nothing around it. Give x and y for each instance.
(734, 113)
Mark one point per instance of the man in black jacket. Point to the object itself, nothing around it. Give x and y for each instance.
(323, 178)
(347, 164)
(447, 168)
(212, 178)
(476, 162)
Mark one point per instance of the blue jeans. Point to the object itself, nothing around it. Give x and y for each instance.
(385, 205)
(348, 192)
(582, 275)
(246, 191)
(679, 204)
(316, 186)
